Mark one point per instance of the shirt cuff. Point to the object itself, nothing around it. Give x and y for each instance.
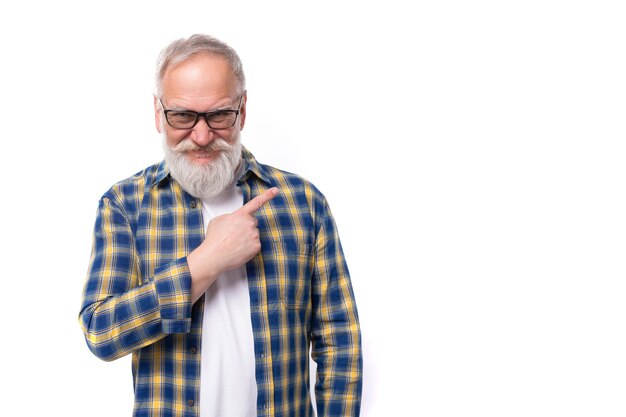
(173, 291)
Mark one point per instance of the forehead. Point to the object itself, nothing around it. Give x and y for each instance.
(201, 79)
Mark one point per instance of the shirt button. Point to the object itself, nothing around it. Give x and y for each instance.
(190, 402)
(194, 204)
(264, 407)
(262, 355)
(193, 350)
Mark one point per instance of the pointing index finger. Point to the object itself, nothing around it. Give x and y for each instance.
(258, 201)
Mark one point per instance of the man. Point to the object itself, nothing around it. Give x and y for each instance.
(216, 272)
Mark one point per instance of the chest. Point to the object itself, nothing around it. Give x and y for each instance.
(171, 224)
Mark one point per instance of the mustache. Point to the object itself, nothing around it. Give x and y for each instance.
(187, 145)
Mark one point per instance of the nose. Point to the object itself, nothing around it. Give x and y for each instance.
(202, 134)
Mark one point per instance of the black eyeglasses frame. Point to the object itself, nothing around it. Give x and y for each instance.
(205, 115)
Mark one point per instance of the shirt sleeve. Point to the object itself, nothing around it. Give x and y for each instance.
(336, 337)
(121, 310)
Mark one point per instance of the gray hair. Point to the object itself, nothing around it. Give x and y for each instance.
(182, 49)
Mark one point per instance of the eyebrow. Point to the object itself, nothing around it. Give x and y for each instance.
(178, 108)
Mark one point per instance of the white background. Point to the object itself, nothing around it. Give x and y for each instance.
(472, 152)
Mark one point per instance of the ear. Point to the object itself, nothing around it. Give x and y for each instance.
(158, 119)
(242, 113)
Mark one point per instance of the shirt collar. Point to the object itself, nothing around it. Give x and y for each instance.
(162, 172)
(250, 167)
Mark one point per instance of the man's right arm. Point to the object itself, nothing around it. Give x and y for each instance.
(122, 311)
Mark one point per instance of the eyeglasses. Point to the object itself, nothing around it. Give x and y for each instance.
(186, 119)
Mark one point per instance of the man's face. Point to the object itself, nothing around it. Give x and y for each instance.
(202, 83)
(201, 158)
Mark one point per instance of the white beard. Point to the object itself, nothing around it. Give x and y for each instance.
(203, 181)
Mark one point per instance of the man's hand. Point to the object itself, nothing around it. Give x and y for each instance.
(231, 241)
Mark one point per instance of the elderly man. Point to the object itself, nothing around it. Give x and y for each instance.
(219, 273)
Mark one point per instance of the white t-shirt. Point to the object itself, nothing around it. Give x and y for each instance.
(227, 377)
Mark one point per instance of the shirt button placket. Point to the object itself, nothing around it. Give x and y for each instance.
(262, 356)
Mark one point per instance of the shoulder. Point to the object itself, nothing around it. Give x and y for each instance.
(290, 182)
(294, 191)
(297, 195)
(131, 189)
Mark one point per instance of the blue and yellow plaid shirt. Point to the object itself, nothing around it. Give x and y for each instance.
(137, 298)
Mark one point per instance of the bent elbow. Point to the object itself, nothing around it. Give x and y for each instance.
(98, 339)
(102, 349)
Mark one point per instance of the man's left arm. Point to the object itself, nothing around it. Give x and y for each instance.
(336, 336)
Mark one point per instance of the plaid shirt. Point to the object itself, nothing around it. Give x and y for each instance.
(137, 298)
